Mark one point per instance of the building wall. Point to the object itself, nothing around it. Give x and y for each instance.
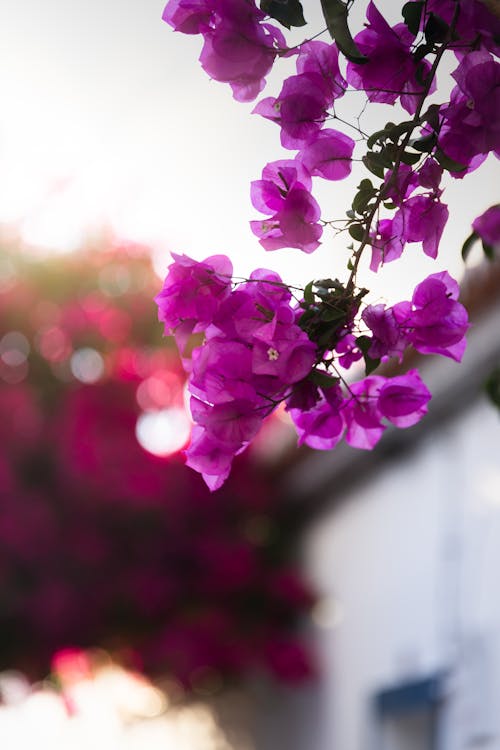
(408, 565)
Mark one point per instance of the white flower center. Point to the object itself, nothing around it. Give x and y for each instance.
(272, 354)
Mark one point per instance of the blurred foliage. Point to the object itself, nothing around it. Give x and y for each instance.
(102, 543)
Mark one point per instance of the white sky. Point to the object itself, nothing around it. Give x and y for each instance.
(107, 117)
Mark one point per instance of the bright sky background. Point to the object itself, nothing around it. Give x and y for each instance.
(107, 118)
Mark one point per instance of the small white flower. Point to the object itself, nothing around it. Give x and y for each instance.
(272, 354)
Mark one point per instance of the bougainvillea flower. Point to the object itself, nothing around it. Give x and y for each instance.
(191, 294)
(328, 155)
(421, 219)
(240, 54)
(403, 399)
(322, 59)
(295, 213)
(389, 340)
(475, 24)
(188, 16)
(278, 177)
(399, 186)
(391, 71)
(322, 426)
(232, 424)
(295, 225)
(220, 371)
(348, 350)
(300, 109)
(471, 123)
(363, 418)
(429, 175)
(438, 320)
(387, 243)
(282, 349)
(208, 456)
(487, 226)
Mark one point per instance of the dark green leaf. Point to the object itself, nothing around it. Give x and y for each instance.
(287, 12)
(323, 379)
(412, 14)
(468, 244)
(335, 13)
(373, 166)
(357, 232)
(488, 250)
(436, 29)
(366, 185)
(492, 387)
(432, 116)
(361, 200)
(425, 144)
(408, 158)
(379, 135)
(309, 294)
(329, 314)
(398, 130)
(421, 51)
(364, 343)
(350, 214)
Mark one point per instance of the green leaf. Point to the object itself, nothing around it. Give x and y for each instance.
(350, 214)
(436, 29)
(379, 135)
(366, 185)
(329, 314)
(432, 116)
(287, 12)
(412, 14)
(425, 144)
(357, 232)
(408, 158)
(373, 165)
(361, 200)
(488, 250)
(398, 130)
(364, 343)
(468, 244)
(322, 379)
(335, 13)
(492, 387)
(421, 51)
(309, 294)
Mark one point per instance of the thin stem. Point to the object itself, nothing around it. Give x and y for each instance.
(384, 190)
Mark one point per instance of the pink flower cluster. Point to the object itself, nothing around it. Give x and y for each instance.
(262, 346)
(238, 48)
(434, 322)
(254, 352)
(419, 218)
(256, 355)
